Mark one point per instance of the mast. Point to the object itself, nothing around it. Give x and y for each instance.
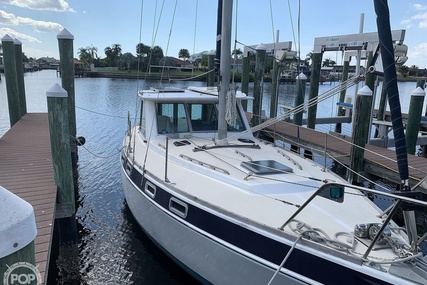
(225, 62)
(390, 81)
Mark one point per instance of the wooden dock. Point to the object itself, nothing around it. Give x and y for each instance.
(379, 161)
(26, 170)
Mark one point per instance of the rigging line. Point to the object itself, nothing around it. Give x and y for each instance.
(346, 84)
(272, 28)
(139, 59)
(193, 77)
(169, 39)
(284, 260)
(292, 22)
(246, 46)
(154, 36)
(195, 32)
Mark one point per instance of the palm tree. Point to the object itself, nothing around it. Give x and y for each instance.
(237, 52)
(113, 53)
(328, 62)
(184, 54)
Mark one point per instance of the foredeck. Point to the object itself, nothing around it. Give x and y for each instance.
(26, 170)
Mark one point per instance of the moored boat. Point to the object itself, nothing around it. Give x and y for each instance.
(231, 208)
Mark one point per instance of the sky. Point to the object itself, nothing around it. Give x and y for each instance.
(191, 24)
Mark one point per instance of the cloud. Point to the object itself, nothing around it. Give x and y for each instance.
(420, 17)
(51, 5)
(40, 26)
(407, 23)
(419, 7)
(19, 36)
(418, 52)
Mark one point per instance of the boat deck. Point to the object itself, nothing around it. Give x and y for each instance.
(378, 161)
(26, 170)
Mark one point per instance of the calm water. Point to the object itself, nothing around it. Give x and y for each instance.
(112, 249)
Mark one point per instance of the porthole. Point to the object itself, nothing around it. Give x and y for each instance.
(178, 207)
(150, 189)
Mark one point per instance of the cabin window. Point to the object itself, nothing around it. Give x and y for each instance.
(171, 118)
(203, 117)
(174, 118)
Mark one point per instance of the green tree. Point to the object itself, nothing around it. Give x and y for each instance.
(143, 53)
(128, 61)
(113, 54)
(184, 54)
(403, 70)
(328, 62)
(84, 55)
(205, 61)
(308, 59)
(155, 55)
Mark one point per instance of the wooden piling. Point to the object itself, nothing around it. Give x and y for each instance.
(11, 79)
(20, 77)
(17, 231)
(338, 126)
(300, 82)
(211, 66)
(274, 89)
(261, 51)
(360, 132)
(57, 104)
(245, 80)
(66, 56)
(314, 88)
(414, 119)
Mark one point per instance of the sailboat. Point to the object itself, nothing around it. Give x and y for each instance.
(231, 208)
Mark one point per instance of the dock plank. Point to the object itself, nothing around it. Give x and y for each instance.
(375, 157)
(26, 170)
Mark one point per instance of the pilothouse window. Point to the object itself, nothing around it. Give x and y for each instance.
(171, 118)
(175, 118)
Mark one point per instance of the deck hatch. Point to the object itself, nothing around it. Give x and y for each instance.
(266, 167)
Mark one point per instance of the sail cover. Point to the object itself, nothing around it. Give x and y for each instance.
(390, 81)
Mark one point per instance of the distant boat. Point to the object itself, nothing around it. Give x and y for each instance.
(233, 209)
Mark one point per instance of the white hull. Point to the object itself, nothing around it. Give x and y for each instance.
(197, 252)
(236, 213)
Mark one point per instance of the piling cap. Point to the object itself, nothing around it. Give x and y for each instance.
(301, 76)
(211, 52)
(7, 38)
(365, 91)
(56, 91)
(17, 42)
(65, 35)
(261, 46)
(418, 92)
(17, 223)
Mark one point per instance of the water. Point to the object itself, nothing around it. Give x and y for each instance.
(112, 249)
